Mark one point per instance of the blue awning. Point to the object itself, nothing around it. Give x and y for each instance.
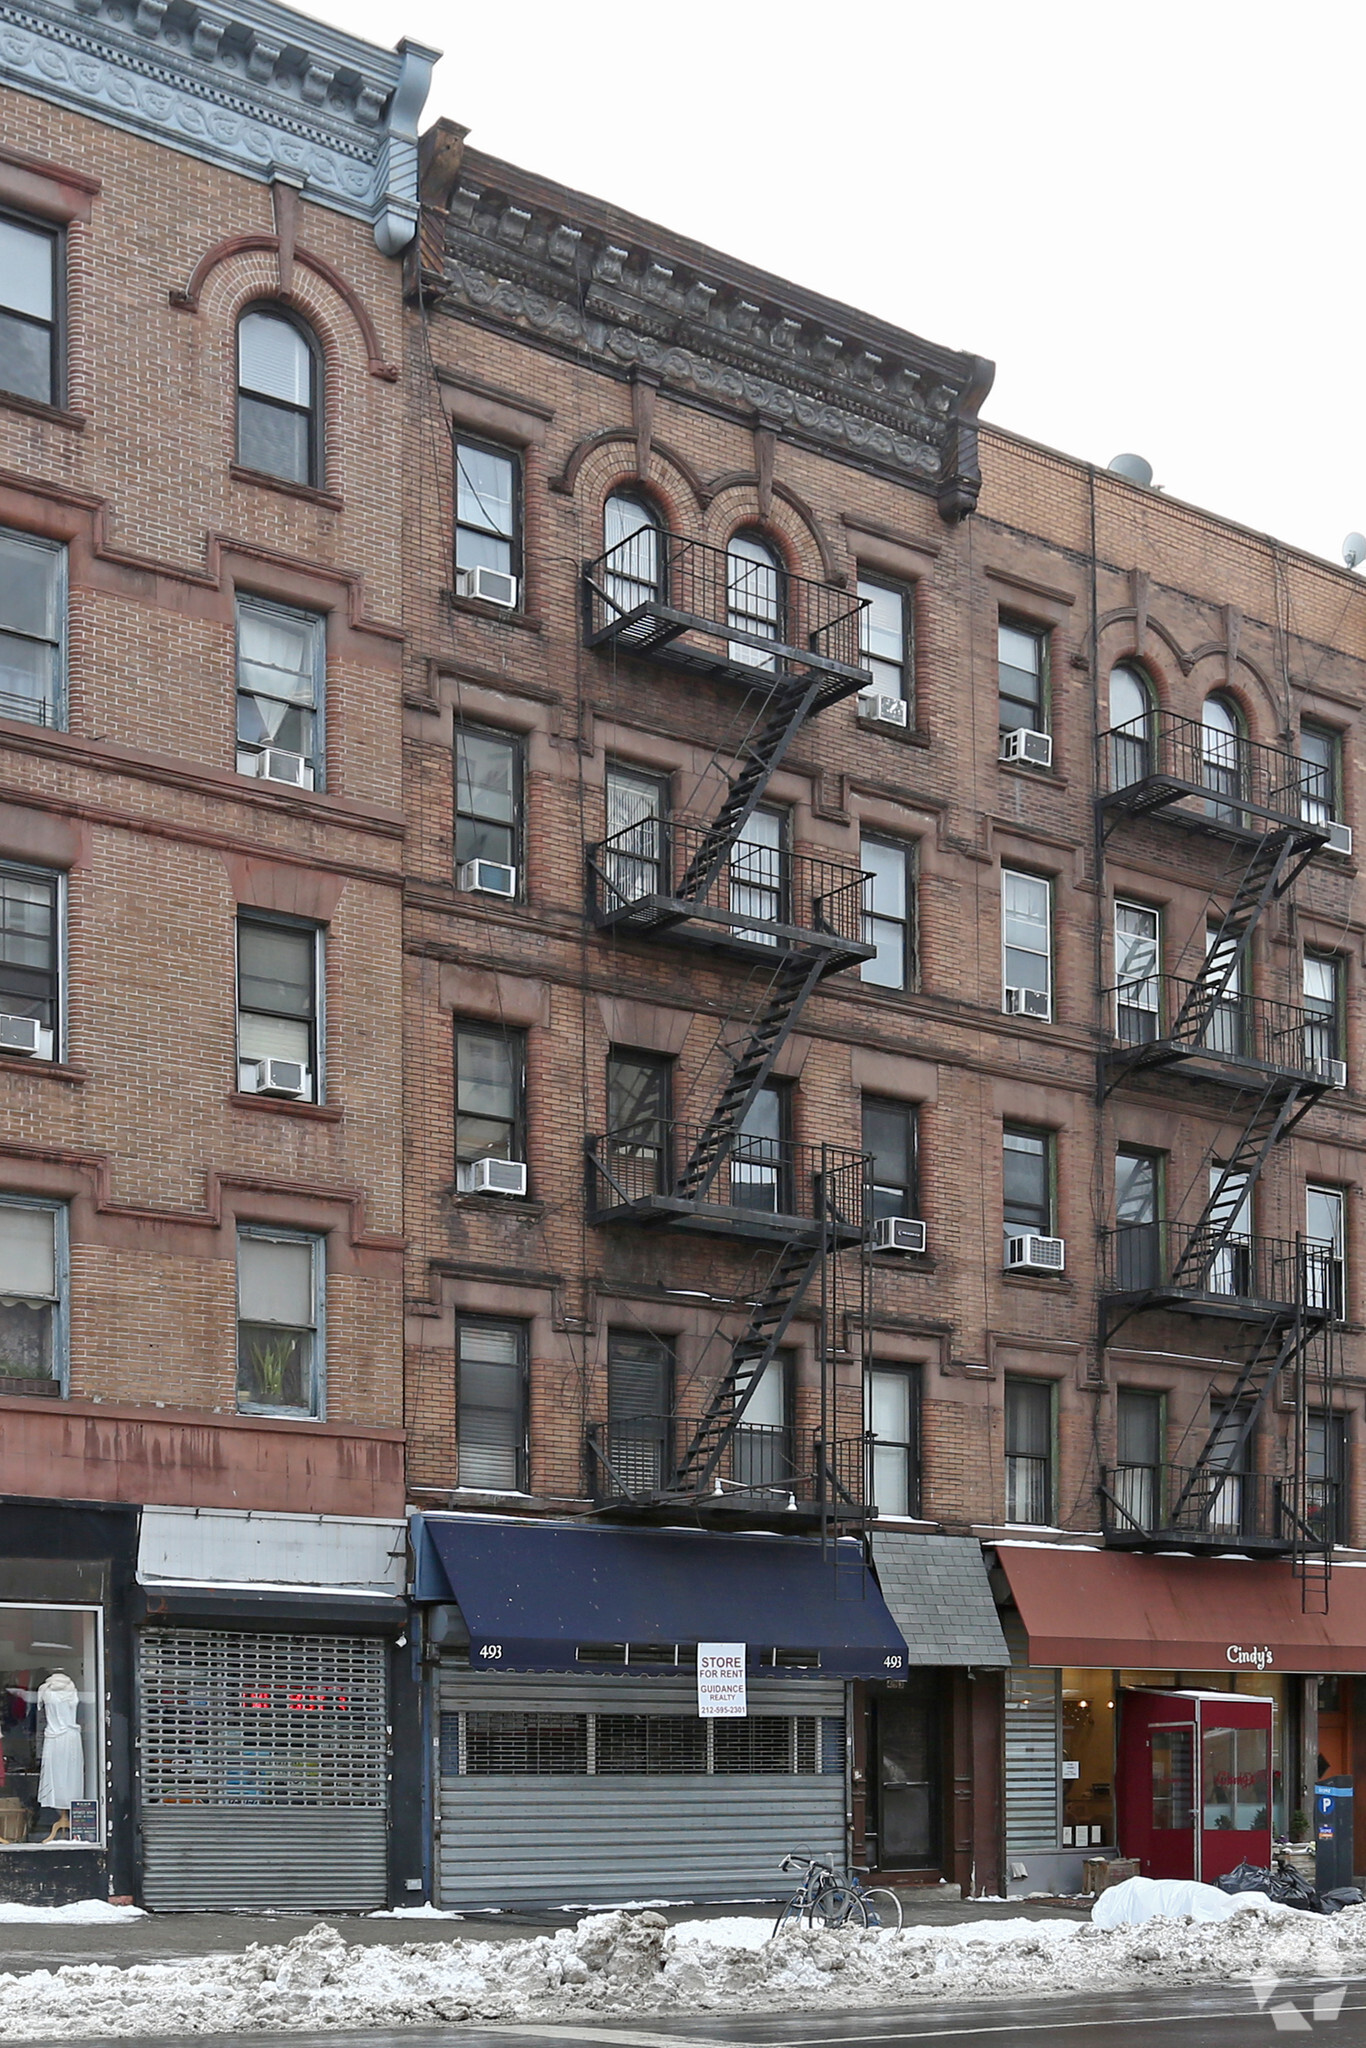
(557, 1596)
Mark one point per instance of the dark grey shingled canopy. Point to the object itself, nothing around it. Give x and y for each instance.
(937, 1590)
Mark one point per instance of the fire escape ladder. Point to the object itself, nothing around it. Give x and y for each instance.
(791, 705)
(771, 1311)
(1270, 872)
(1274, 1114)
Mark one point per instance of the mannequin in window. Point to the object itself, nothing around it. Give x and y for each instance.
(61, 1776)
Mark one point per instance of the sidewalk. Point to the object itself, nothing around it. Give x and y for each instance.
(177, 1937)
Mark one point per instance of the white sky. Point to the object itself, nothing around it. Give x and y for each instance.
(1149, 215)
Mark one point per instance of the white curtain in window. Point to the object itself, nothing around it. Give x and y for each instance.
(28, 1253)
(275, 1282)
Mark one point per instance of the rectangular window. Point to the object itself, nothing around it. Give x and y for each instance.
(1322, 1007)
(763, 1441)
(1022, 672)
(32, 1296)
(640, 1372)
(885, 642)
(1029, 1451)
(892, 1420)
(1028, 1180)
(32, 630)
(281, 664)
(1226, 1031)
(278, 980)
(486, 509)
(887, 905)
(634, 859)
(890, 1135)
(1138, 1231)
(30, 963)
(759, 872)
(1230, 1453)
(1325, 1228)
(1138, 960)
(638, 1157)
(490, 1070)
(1320, 774)
(1138, 1458)
(1027, 943)
(1326, 1445)
(491, 1405)
(488, 806)
(30, 300)
(761, 1157)
(279, 1322)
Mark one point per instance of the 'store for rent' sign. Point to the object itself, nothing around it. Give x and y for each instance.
(721, 1681)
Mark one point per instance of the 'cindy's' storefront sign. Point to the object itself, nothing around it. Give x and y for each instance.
(1257, 1657)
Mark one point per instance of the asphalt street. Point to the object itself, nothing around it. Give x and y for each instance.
(1209, 2016)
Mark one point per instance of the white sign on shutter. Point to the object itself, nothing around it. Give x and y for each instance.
(721, 1681)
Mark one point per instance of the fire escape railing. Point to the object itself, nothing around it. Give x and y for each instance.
(761, 1186)
(1215, 1507)
(1236, 1274)
(1220, 780)
(1162, 1018)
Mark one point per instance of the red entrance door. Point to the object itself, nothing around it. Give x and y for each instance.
(1235, 1783)
(1194, 1782)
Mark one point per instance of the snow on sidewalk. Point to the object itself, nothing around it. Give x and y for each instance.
(627, 1965)
(80, 1913)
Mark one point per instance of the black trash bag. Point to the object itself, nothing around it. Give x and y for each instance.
(1288, 1888)
(1248, 1877)
(1342, 1895)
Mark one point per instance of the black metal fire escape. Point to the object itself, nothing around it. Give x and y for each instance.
(795, 919)
(1279, 1296)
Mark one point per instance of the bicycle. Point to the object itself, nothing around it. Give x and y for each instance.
(824, 1900)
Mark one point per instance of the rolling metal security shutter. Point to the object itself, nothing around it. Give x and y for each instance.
(264, 1770)
(557, 1836)
(1033, 1749)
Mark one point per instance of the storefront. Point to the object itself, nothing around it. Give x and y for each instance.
(1161, 1706)
(570, 1758)
(65, 1809)
(267, 1649)
(926, 1747)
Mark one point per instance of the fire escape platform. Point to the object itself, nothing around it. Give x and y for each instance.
(735, 932)
(721, 1219)
(656, 632)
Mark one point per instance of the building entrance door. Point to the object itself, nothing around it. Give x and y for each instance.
(906, 1734)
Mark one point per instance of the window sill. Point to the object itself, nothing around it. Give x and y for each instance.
(15, 1385)
(496, 614)
(38, 409)
(1048, 776)
(901, 735)
(255, 1414)
(317, 1112)
(1047, 1283)
(524, 1206)
(55, 1070)
(307, 492)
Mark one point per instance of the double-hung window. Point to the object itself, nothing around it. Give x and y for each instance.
(1325, 1226)
(887, 907)
(634, 854)
(637, 1153)
(1027, 1181)
(1137, 1484)
(1029, 1451)
(489, 1091)
(1322, 1008)
(488, 811)
(279, 1042)
(279, 388)
(281, 665)
(763, 1441)
(1138, 1229)
(889, 1134)
(32, 630)
(491, 1405)
(487, 516)
(1320, 774)
(638, 1440)
(1027, 943)
(1138, 955)
(1022, 677)
(280, 1284)
(30, 963)
(885, 644)
(891, 1414)
(30, 302)
(32, 1296)
(1326, 1463)
(761, 1155)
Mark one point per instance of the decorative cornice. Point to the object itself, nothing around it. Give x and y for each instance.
(250, 86)
(519, 252)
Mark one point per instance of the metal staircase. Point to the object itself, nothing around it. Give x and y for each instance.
(1274, 866)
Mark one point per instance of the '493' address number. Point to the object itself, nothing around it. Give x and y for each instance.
(891, 1663)
(492, 1650)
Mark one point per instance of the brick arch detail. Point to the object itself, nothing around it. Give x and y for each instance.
(789, 526)
(610, 460)
(186, 298)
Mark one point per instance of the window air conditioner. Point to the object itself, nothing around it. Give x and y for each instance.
(275, 764)
(20, 1034)
(487, 878)
(875, 709)
(1035, 749)
(1028, 1002)
(1334, 1072)
(282, 1077)
(491, 586)
(1032, 1254)
(898, 1234)
(493, 1177)
(1339, 839)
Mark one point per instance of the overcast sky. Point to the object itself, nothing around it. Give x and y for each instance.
(1150, 216)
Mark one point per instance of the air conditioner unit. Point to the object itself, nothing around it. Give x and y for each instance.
(1339, 839)
(1028, 1002)
(491, 586)
(875, 709)
(20, 1034)
(1334, 1072)
(1032, 1254)
(493, 1177)
(275, 764)
(487, 877)
(1035, 749)
(898, 1234)
(282, 1077)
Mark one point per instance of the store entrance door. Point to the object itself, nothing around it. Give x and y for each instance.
(906, 1733)
(1194, 1782)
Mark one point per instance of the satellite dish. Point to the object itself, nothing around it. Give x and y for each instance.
(1136, 468)
(1354, 549)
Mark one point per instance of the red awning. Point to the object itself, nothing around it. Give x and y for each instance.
(1132, 1611)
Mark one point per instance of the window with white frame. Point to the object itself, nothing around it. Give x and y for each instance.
(32, 630)
(1022, 676)
(279, 393)
(1326, 1229)
(30, 963)
(280, 1279)
(892, 1420)
(486, 509)
(887, 908)
(281, 665)
(30, 308)
(32, 1295)
(1027, 943)
(1138, 955)
(491, 1404)
(278, 1040)
(488, 809)
(885, 638)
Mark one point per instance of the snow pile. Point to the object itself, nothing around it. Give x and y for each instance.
(80, 1913)
(625, 1965)
(1140, 1899)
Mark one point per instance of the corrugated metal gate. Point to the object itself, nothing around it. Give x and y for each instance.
(264, 1769)
(1033, 1749)
(592, 1790)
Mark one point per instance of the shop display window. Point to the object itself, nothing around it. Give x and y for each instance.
(50, 1692)
(1236, 1778)
(1088, 1759)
